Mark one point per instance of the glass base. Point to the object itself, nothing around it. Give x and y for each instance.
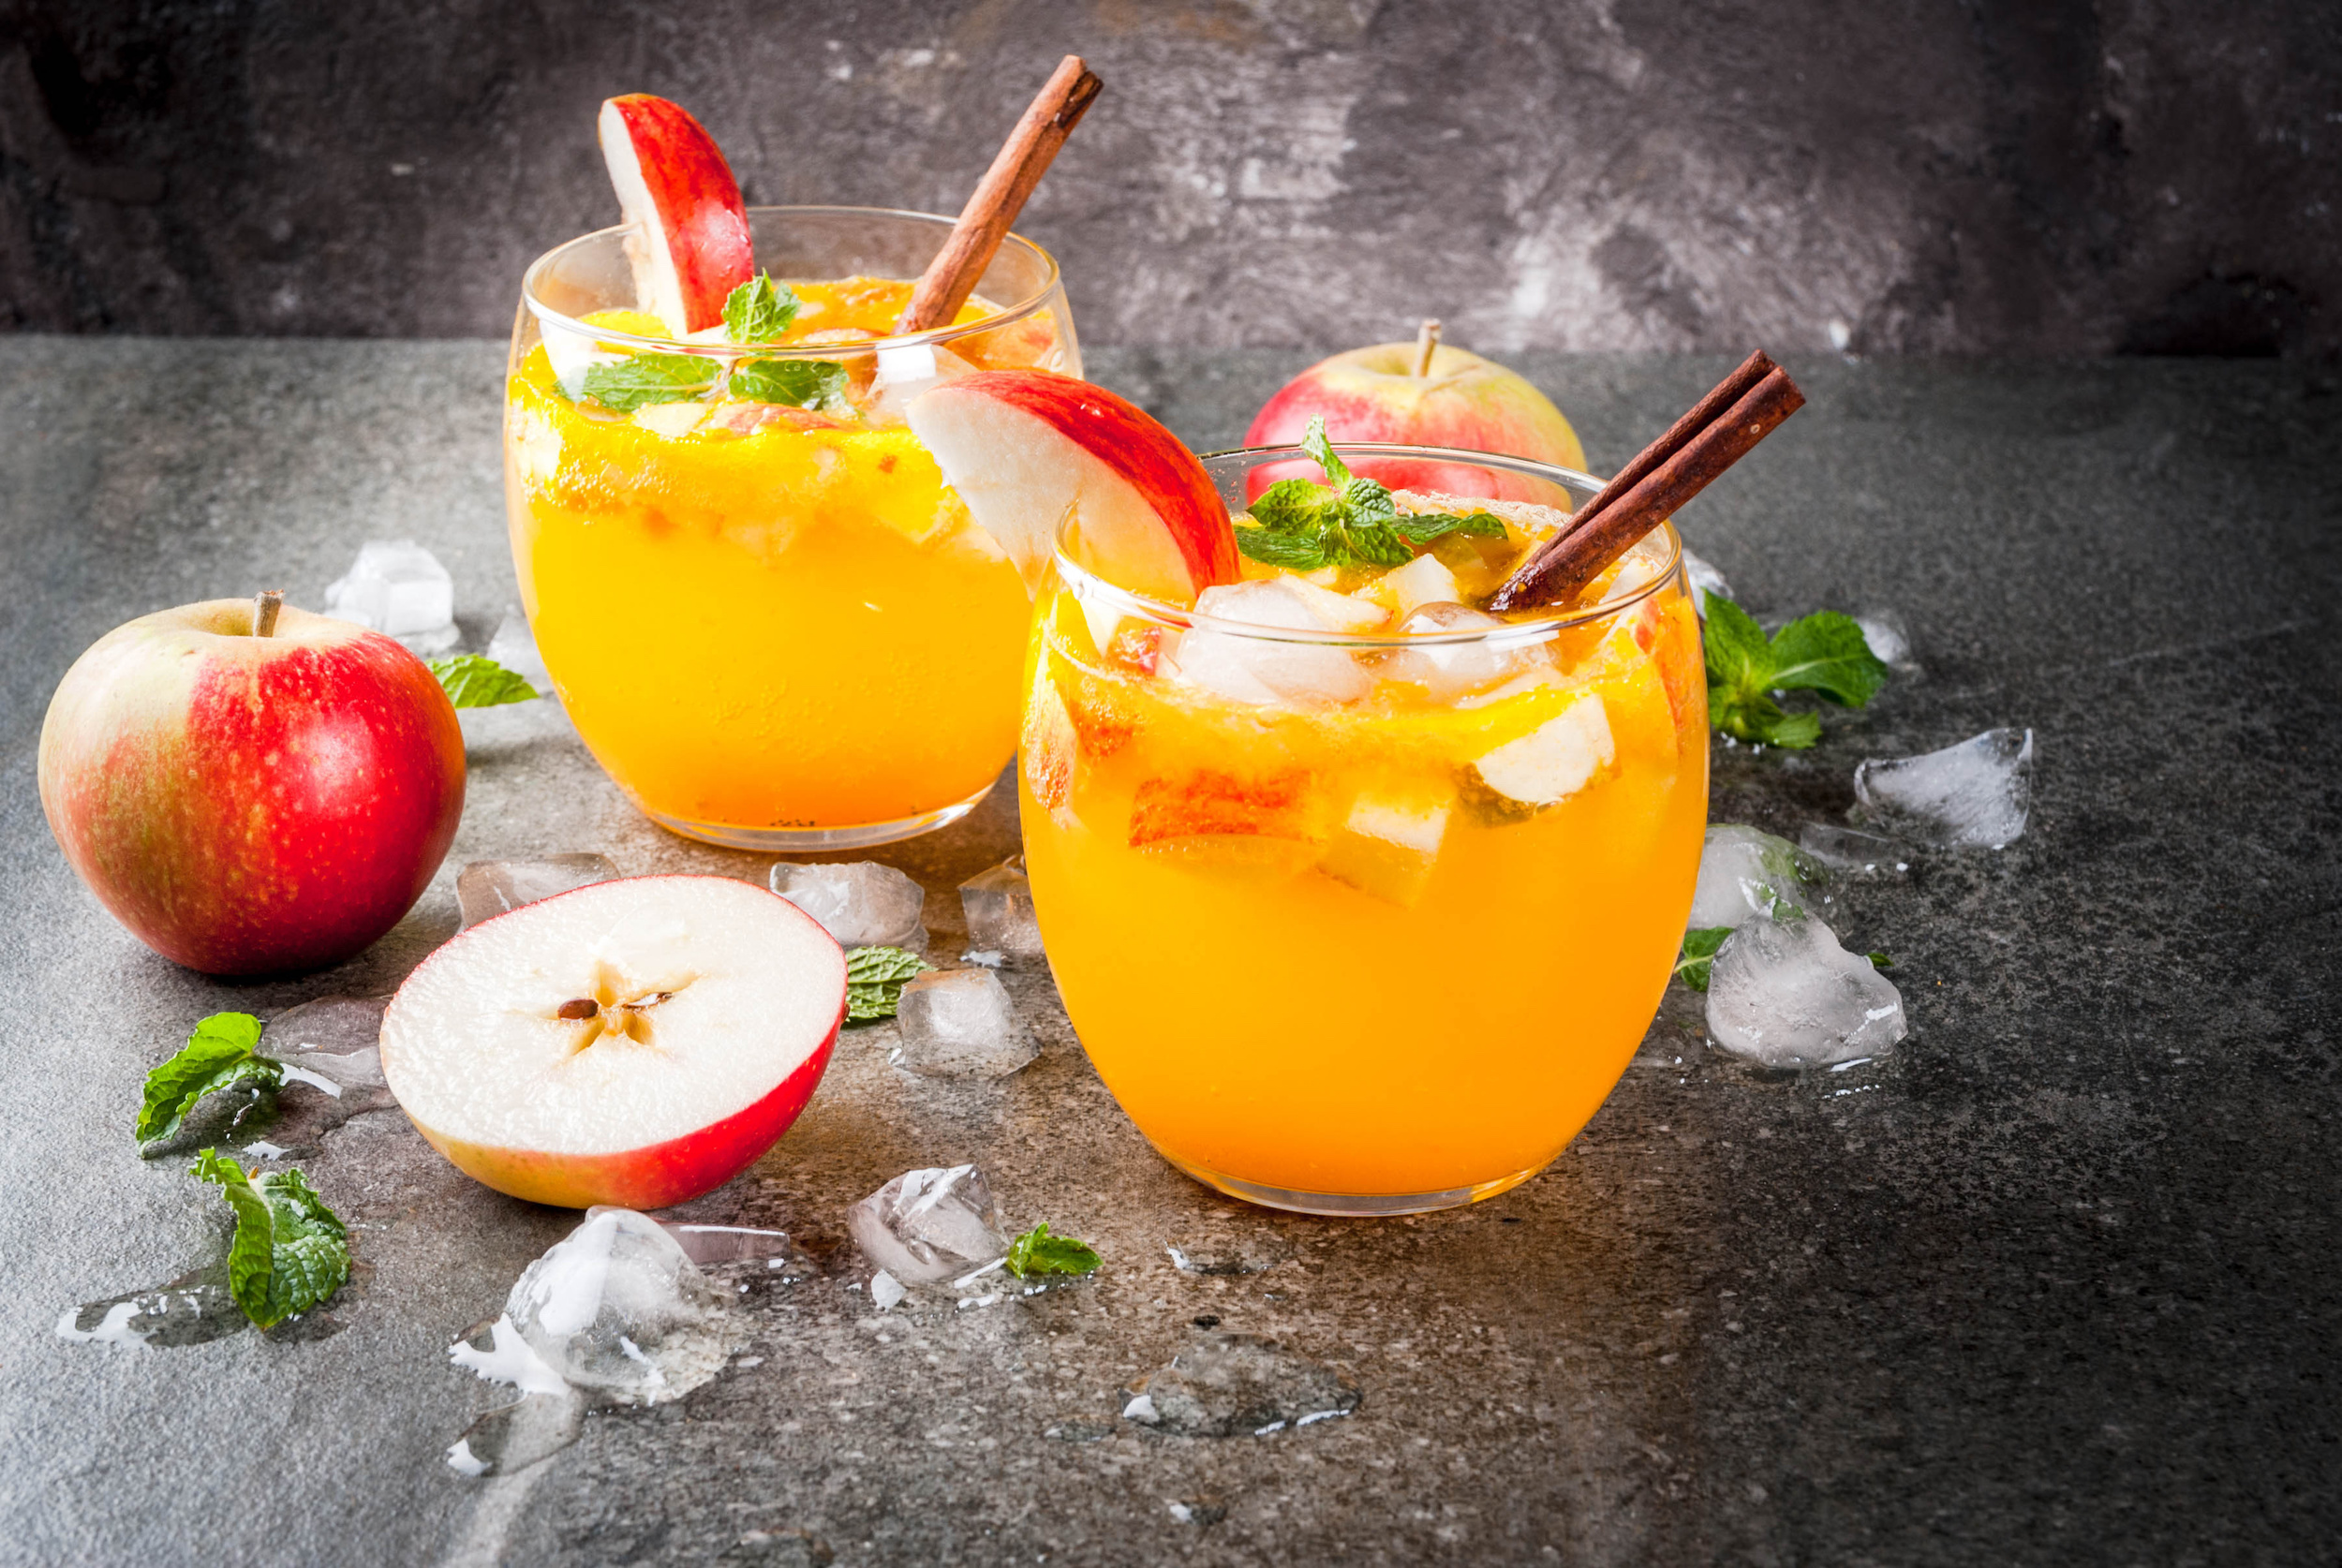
(1355, 1204)
(806, 842)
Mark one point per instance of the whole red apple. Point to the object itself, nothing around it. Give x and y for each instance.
(251, 804)
(1422, 393)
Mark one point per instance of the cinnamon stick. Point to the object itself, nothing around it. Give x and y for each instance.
(1000, 196)
(1721, 428)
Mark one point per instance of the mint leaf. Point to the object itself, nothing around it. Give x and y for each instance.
(819, 384)
(1314, 441)
(290, 1251)
(1289, 506)
(1823, 653)
(1424, 527)
(217, 1055)
(760, 310)
(1297, 552)
(1699, 951)
(1039, 1252)
(1374, 545)
(1827, 653)
(1879, 960)
(477, 681)
(647, 378)
(1368, 503)
(874, 981)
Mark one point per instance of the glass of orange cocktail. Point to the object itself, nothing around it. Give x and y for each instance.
(1366, 911)
(771, 622)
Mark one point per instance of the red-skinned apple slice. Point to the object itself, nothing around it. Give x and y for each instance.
(637, 1042)
(690, 245)
(1024, 447)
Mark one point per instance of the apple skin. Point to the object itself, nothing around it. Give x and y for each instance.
(657, 1176)
(694, 203)
(1131, 443)
(251, 804)
(1372, 394)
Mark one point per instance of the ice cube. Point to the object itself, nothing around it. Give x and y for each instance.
(1973, 794)
(1425, 580)
(487, 888)
(617, 1306)
(999, 906)
(1890, 639)
(1785, 993)
(514, 646)
(1704, 580)
(931, 1225)
(863, 904)
(1846, 848)
(1257, 670)
(1552, 762)
(1388, 845)
(571, 354)
(400, 589)
(886, 1292)
(960, 1024)
(1448, 670)
(1744, 873)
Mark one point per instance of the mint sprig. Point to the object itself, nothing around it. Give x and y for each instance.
(874, 981)
(290, 1251)
(477, 681)
(641, 379)
(760, 310)
(1699, 955)
(1823, 652)
(1347, 521)
(817, 384)
(1039, 1252)
(217, 1055)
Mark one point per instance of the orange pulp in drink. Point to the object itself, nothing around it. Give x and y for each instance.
(766, 618)
(1315, 948)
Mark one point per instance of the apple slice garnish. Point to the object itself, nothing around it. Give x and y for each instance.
(689, 244)
(1026, 447)
(637, 1042)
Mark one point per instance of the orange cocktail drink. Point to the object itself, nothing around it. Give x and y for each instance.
(771, 622)
(1367, 910)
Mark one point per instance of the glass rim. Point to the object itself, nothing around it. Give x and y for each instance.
(1088, 585)
(535, 272)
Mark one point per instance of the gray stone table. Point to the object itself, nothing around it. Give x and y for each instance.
(2059, 1282)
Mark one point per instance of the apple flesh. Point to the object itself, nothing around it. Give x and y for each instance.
(1026, 449)
(251, 804)
(690, 246)
(1373, 394)
(636, 1043)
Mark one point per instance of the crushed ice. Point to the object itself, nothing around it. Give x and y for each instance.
(863, 904)
(1785, 993)
(1975, 794)
(926, 1226)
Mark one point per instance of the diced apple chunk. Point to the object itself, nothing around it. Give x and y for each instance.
(671, 419)
(1049, 747)
(1387, 846)
(1552, 762)
(1260, 821)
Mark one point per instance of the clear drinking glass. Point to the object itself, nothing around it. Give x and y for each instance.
(774, 626)
(1382, 941)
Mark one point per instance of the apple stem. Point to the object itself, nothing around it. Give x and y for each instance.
(1425, 345)
(265, 605)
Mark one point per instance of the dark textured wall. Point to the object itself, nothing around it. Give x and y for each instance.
(1999, 176)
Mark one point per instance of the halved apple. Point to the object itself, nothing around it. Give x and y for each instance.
(689, 245)
(1026, 449)
(636, 1043)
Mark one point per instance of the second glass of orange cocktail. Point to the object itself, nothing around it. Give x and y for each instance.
(771, 622)
(1360, 898)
